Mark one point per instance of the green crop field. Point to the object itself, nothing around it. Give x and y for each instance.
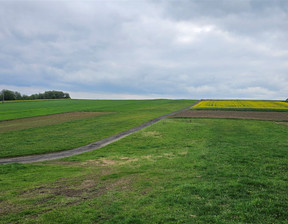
(179, 170)
(119, 116)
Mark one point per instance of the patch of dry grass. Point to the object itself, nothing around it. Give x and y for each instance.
(151, 134)
(283, 123)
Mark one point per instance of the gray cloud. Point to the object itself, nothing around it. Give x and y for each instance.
(146, 49)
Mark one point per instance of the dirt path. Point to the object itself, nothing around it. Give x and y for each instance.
(257, 115)
(87, 148)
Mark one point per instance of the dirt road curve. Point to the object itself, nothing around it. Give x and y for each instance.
(86, 148)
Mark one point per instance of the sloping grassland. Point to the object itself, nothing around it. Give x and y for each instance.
(116, 116)
(175, 171)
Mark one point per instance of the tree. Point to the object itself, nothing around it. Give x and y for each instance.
(287, 100)
(25, 97)
(18, 96)
(56, 95)
(2, 96)
(8, 95)
(67, 96)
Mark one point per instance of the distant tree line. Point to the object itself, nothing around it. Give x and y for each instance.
(14, 95)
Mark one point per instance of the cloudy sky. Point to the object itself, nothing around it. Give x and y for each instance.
(119, 49)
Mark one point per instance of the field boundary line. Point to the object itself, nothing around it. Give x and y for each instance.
(87, 148)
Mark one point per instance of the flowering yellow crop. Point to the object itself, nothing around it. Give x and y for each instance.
(241, 104)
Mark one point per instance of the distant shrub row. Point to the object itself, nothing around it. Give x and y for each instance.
(11, 95)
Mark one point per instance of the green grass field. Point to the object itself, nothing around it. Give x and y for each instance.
(22, 109)
(175, 171)
(178, 170)
(68, 135)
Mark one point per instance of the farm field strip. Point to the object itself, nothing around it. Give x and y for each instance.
(241, 104)
(33, 122)
(255, 115)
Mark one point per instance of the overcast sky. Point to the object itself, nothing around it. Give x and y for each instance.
(146, 49)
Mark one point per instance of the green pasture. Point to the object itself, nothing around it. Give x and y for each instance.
(68, 135)
(175, 171)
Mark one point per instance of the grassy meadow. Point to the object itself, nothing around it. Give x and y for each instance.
(118, 116)
(179, 170)
(242, 105)
(175, 171)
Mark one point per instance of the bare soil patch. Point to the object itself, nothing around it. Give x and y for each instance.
(257, 115)
(89, 187)
(40, 121)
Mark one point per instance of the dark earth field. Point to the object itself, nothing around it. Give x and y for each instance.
(40, 121)
(256, 115)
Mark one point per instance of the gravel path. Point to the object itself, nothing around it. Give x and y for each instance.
(86, 148)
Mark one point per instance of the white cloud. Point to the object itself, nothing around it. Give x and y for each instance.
(183, 49)
(109, 96)
(189, 32)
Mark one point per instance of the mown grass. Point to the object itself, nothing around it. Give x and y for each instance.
(68, 135)
(176, 171)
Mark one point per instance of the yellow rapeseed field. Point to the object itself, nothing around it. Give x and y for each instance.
(241, 104)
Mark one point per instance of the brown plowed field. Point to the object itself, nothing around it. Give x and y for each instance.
(257, 115)
(40, 121)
